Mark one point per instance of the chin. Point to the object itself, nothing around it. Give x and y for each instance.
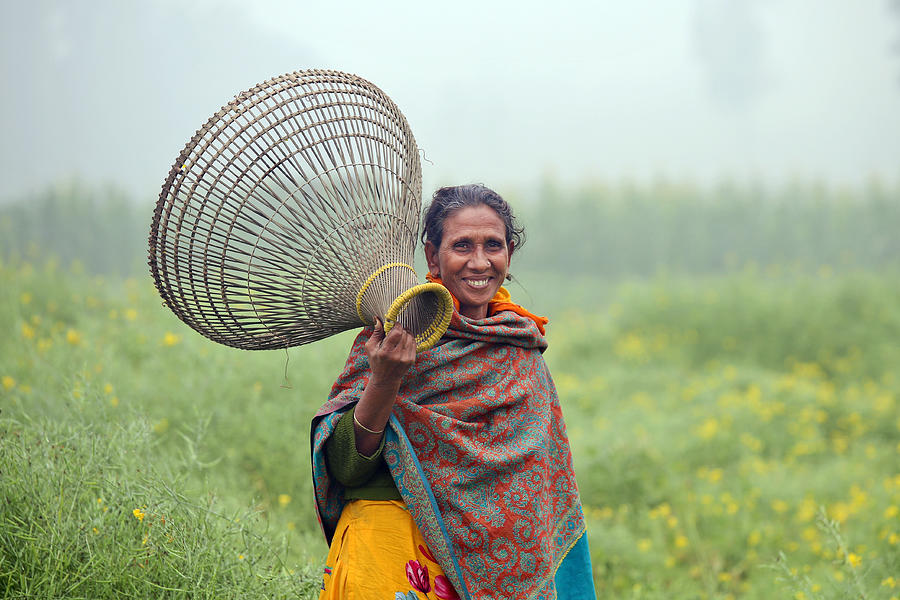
(479, 300)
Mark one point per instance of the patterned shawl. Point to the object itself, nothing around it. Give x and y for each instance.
(478, 449)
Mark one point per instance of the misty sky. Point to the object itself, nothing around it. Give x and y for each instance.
(498, 92)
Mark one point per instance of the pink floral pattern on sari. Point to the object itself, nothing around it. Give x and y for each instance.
(417, 574)
(444, 589)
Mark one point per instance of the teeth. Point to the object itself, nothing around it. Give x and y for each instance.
(478, 283)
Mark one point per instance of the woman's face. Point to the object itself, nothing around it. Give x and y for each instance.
(473, 258)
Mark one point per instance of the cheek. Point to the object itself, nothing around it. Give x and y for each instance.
(447, 264)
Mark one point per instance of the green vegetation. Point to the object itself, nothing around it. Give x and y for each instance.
(712, 421)
(736, 431)
(112, 409)
(627, 230)
(594, 230)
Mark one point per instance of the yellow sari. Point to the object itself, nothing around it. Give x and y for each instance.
(378, 553)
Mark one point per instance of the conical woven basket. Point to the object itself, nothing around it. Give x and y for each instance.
(293, 214)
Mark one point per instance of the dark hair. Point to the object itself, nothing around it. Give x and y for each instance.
(448, 200)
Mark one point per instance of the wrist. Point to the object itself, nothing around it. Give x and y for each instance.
(367, 429)
(384, 383)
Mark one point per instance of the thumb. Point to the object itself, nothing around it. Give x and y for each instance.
(378, 334)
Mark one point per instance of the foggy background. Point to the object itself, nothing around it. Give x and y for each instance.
(505, 93)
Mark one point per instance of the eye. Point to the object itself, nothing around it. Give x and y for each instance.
(461, 245)
(494, 245)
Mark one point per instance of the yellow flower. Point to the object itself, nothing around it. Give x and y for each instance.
(889, 582)
(27, 331)
(73, 337)
(96, 530)
(631, 346)
(644, 545)
(170, 339)
(131, 314)
(8, 382)
(114, 401)
(891, 511)
(780, 506)
(681, 542)
(139, 514)
(107, 389)
(161, 426)
(708, 429)
(240, 557)
(284, 500)
(854, 559)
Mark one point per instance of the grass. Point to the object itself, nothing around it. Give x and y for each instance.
(734, 437)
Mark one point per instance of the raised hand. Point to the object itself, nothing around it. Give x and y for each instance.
(390, 357)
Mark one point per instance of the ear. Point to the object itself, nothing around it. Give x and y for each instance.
(510, 247)
(431, 257)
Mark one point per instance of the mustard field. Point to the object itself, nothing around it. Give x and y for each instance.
(735, 436)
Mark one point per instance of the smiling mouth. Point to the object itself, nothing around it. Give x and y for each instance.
(478, 283)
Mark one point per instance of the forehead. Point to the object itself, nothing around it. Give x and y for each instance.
(478, 220)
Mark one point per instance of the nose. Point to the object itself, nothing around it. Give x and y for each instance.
(478, 261)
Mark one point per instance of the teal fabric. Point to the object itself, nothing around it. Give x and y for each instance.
(574, 579)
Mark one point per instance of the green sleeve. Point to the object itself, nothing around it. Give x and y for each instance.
(345, 463)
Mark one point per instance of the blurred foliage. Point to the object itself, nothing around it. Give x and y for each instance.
(100, 228)
(613, 231)
(626, 229)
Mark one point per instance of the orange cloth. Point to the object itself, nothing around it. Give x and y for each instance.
(501, 301)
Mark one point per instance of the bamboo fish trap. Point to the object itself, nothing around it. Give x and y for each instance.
(293, 214)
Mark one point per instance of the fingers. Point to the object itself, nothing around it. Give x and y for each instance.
(392, 339)
(401, 344)
(391, 354)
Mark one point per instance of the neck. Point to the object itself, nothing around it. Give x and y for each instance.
(473, 312)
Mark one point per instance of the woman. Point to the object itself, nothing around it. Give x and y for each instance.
(448, 474)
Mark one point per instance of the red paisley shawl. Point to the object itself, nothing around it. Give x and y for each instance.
(478, 448)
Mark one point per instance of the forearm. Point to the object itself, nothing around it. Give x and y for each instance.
(390, 357)
(373, 412)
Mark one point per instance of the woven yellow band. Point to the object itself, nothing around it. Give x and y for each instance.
(436, 328)
(368, 282)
